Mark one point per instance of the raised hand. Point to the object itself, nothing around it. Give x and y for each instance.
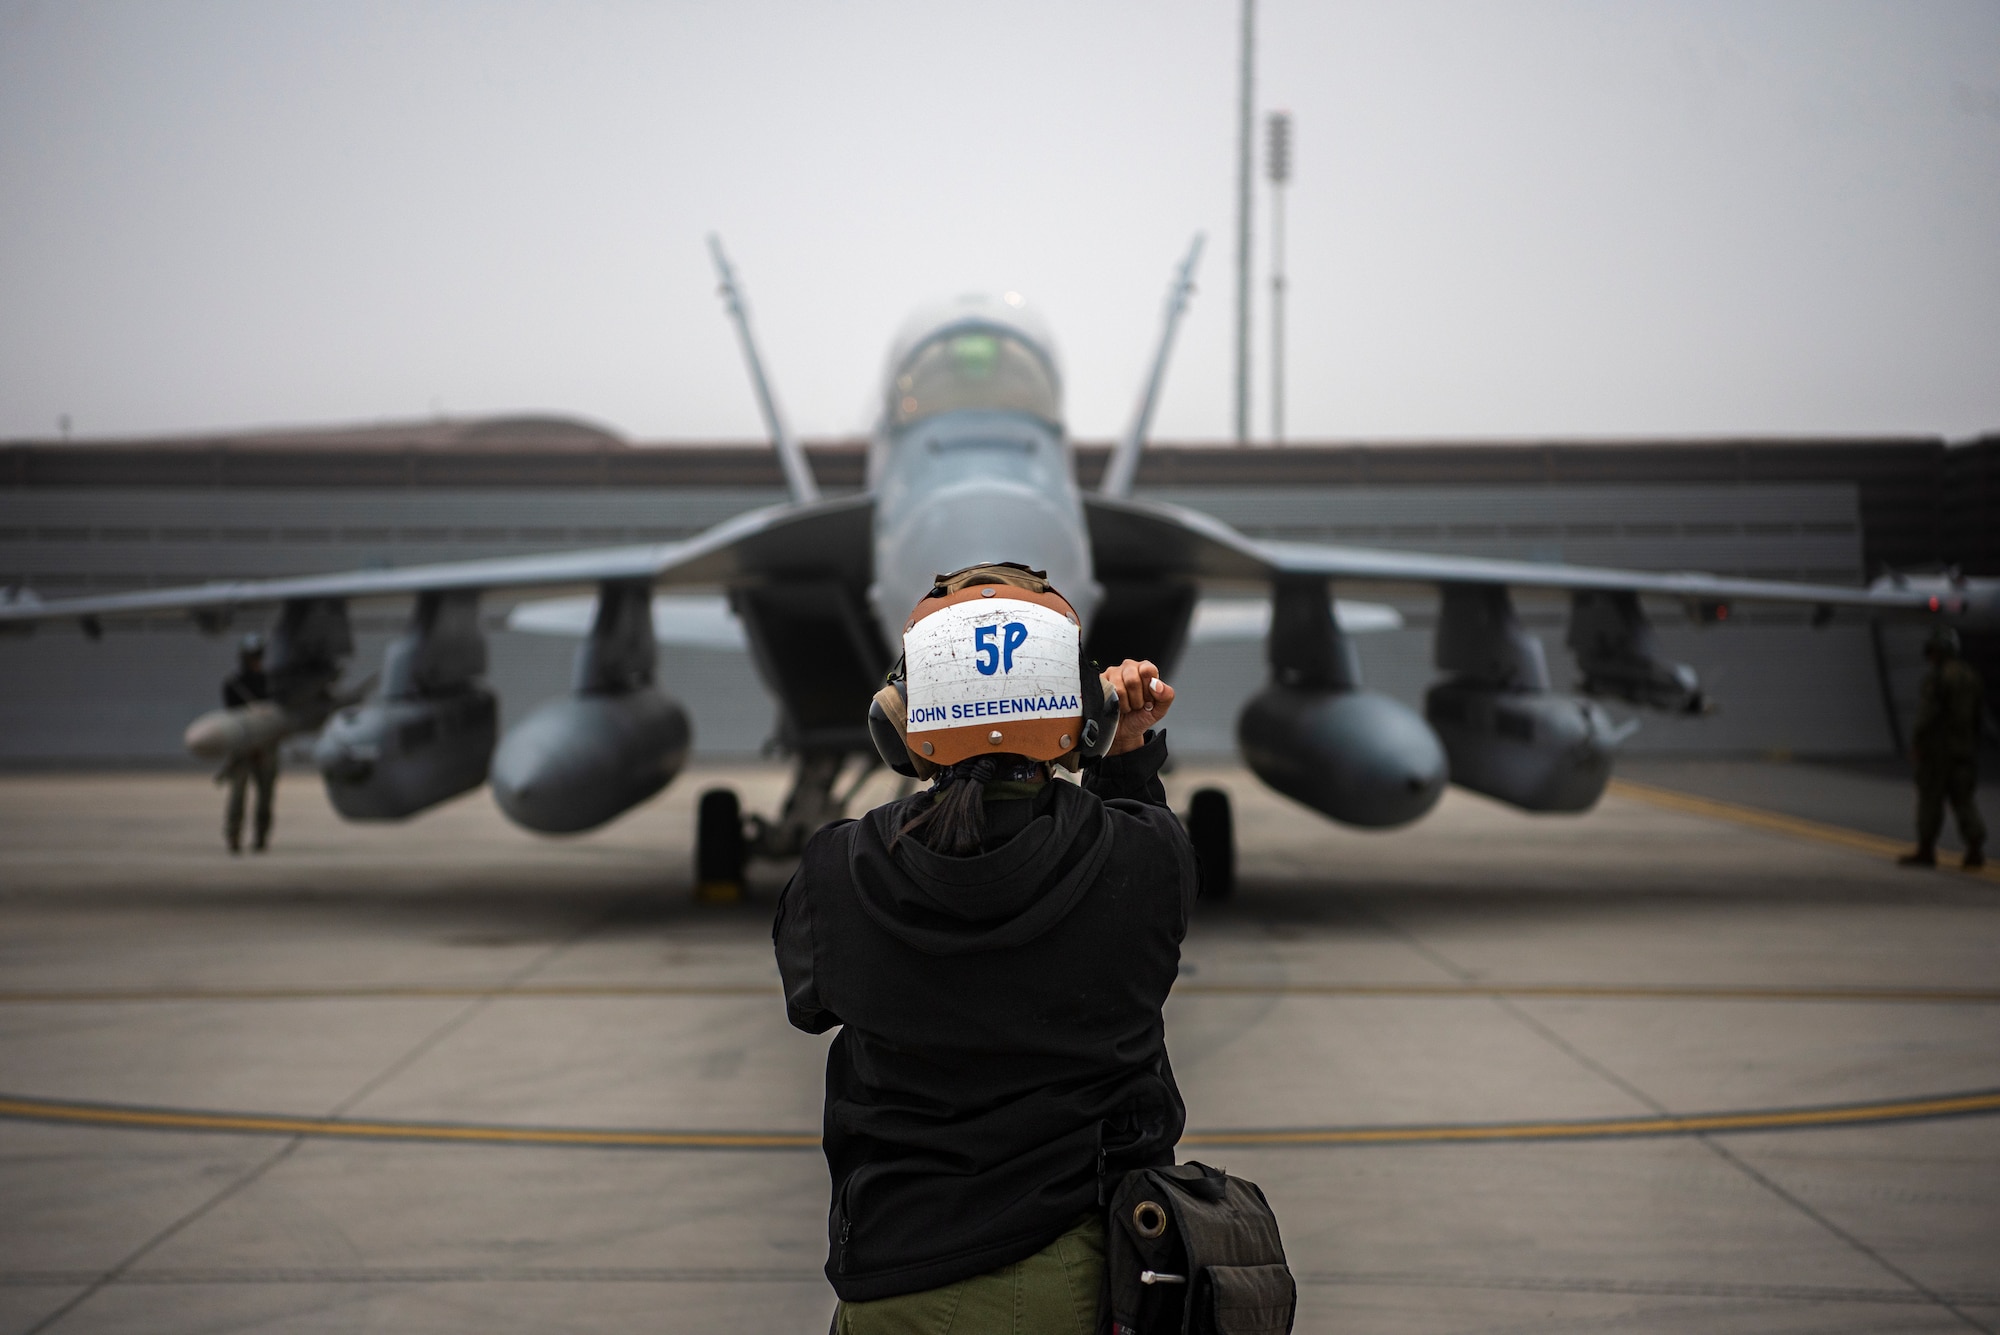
(1143, 701)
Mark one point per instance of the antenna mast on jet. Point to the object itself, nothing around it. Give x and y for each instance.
(791, 455)
(1124, 462)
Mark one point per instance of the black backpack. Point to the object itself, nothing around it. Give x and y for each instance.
(1190, 1250)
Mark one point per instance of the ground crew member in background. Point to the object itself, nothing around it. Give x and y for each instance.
(1945, 750)
(997, 950)
(244, 686)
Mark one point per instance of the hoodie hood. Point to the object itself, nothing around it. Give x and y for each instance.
(993, 900)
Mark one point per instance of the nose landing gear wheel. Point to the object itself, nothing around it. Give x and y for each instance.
(1212, 831)
(718, 848)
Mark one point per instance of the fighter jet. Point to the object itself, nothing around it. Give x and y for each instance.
(969, 462)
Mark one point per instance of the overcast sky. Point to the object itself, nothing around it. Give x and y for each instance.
(1507, 219)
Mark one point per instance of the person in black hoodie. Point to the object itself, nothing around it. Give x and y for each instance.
(996, 951)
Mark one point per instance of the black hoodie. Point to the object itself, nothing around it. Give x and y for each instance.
(1002, 1059)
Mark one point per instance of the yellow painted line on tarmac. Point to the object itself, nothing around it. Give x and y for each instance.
(1608, 992)
(265, 1124)
(387, 992)
(1922, 996)
(1775, 1119)
(1859, 841)
(135, 1118)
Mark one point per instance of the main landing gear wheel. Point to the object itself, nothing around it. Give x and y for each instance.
(1212, 831)
(719, 849)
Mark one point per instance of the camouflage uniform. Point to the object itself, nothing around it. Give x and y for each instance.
(246, 685)
(1946, 745)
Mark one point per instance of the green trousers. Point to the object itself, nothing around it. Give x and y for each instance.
(1953, 779)
(260, 768)
(1057, 1291)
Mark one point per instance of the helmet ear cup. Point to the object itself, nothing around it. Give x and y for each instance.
(888, 717)
(887, 714)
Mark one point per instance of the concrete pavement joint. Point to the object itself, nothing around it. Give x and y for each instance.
(1708, 1142)
(296, 1138)
(100, 1282)
(1777, 1189)
(1703, 1134)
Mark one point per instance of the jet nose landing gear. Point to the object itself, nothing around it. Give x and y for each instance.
(725, 839)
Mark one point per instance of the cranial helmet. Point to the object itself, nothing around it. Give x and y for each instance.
(1943, 641)
(992, 665)
(252, 644)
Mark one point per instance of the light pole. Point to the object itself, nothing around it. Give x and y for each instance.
(1278, 166)
(1244, 172)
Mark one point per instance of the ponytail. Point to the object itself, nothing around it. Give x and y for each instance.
(953, 821)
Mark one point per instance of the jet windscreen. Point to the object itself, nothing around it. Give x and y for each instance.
(978, 368)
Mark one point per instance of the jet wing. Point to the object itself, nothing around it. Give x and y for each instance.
(828, 539)
(1132, 539)
(684, 620)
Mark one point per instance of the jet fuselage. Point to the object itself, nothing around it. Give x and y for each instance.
(970, 462)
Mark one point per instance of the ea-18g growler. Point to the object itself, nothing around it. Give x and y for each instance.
(969, 462)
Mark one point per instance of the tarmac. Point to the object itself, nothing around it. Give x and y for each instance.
(1702, 1060)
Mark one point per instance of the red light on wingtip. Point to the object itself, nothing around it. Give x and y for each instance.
(1722, 611)
(1934, 604)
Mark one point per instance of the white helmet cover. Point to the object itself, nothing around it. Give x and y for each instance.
(993, 669)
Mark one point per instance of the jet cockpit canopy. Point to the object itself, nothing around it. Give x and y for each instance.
(974, 352)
